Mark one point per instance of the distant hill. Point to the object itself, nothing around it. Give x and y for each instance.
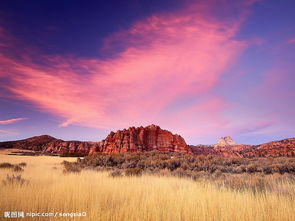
(36, 143)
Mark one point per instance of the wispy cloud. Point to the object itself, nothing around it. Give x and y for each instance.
(167, 58)
(6, 133)
(11, 121)
(256, 127)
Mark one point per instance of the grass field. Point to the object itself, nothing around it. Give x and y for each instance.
(131, 198)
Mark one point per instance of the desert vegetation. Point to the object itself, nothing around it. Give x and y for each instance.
(186, 164)
(14, 167)
(133, 194)
(239, 174)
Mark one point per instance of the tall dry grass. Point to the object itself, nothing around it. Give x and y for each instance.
(132, 198)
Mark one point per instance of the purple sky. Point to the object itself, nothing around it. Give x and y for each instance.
(202, 69)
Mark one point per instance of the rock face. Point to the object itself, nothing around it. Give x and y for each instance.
(225, 141)
(143, 139)
(61, 147)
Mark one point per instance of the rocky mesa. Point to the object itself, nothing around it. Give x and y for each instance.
(139, 139)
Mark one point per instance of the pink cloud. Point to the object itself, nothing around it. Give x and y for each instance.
(11, 121)
(291, 41)
(166, 58)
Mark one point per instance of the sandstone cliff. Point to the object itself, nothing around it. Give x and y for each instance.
(143, 139)
(78, 147)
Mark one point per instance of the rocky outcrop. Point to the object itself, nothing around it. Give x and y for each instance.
(225, 141)
(203, 150)
(279, 148)
(143, 139)
(79, 147)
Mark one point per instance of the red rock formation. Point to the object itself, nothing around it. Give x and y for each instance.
(279, 148)
(143, 139)
(284, 147)
(61, 147)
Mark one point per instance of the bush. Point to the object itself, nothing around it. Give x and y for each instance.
(71, 167)
(267, 170)
(115, 173)
(22, 164)
(6, 165)
(133, 172)
(17, 168)
(18, 180)
(179, 172)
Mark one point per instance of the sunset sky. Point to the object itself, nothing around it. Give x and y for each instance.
(202, 69)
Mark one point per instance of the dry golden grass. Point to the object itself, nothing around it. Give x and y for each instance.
(132, 198)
